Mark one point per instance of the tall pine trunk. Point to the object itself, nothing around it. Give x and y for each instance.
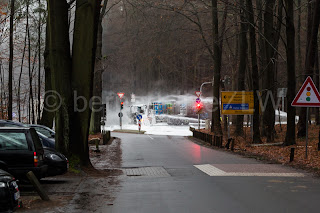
(32, 114)
(254, 73)
(39, 65)
(11, 60)
(96, 114)
(312, 36)
(216, 124)
(48, 112)
(291, 74)
(60, 65)
(271, 45)
(242, 63)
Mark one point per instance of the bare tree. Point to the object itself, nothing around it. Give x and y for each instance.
(11, 60)
(243, 51)
(312, 36)
(291, 80)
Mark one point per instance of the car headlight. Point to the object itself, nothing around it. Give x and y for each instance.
(2, 185)
(54, 157)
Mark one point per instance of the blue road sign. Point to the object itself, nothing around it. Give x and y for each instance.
(139, 117)
(235, 106)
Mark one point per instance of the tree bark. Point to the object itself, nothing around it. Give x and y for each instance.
(83, 61)
(32, 114)
(216, 124)
(316, 81)
(39, 65)
(243, 51)
(11, 60)
(291, 74)
(60, 64)
(48, 112)
(96, 114)
(313, 25)
(254, 73)
(20, 75)
(269, 33)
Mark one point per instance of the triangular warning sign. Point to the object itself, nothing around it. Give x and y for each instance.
(198, 93)
(120, 94)
(308, 95)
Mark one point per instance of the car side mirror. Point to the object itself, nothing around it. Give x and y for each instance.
(52, 134)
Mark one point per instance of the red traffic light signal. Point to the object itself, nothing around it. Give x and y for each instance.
(121, 105)
(199, 105)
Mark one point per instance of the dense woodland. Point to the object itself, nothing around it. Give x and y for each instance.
(153, 46)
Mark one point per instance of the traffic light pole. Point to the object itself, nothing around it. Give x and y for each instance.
(120, 116)
(198, 121)
(211, 82)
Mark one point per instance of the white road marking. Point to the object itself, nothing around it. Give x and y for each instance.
(214, 171)
(150, 137)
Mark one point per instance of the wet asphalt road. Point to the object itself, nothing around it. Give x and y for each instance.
(160, 176)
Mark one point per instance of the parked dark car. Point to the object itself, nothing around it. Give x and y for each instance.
(21, 151)
(46, 141)
(44, 130)
(57, 163)
(9, 192)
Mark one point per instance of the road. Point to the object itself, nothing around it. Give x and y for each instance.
(173, 174)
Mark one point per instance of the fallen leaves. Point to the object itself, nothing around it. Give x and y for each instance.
(281, 154)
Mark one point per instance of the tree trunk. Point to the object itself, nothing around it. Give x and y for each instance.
(83, 61)
(254, 73)
(269, 33)
(313, 25)
(20, 75)
(96, 113)
(316, 81)
(39, 65)
(291, 75)
(60, 64)
(216, 124)
(48, 112)
(11, 60)
(300, 69)
(32, 114)
(243, 51)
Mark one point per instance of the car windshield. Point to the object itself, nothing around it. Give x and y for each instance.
(41, 135)
(43, 131)
(13, 141)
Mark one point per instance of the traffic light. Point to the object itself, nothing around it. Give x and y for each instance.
(308, 94)
(198, 106)
(104, 110)
(121, 105)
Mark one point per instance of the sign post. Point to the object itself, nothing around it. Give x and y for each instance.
(139, 117)
(237, 103)
(120, 94)
(198, 108)
(308, 96)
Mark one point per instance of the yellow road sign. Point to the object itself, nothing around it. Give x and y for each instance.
(237, 103)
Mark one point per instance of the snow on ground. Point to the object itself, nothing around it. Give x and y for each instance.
(156, 129)
(153, 128)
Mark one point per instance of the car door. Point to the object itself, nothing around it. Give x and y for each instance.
(15, 150)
